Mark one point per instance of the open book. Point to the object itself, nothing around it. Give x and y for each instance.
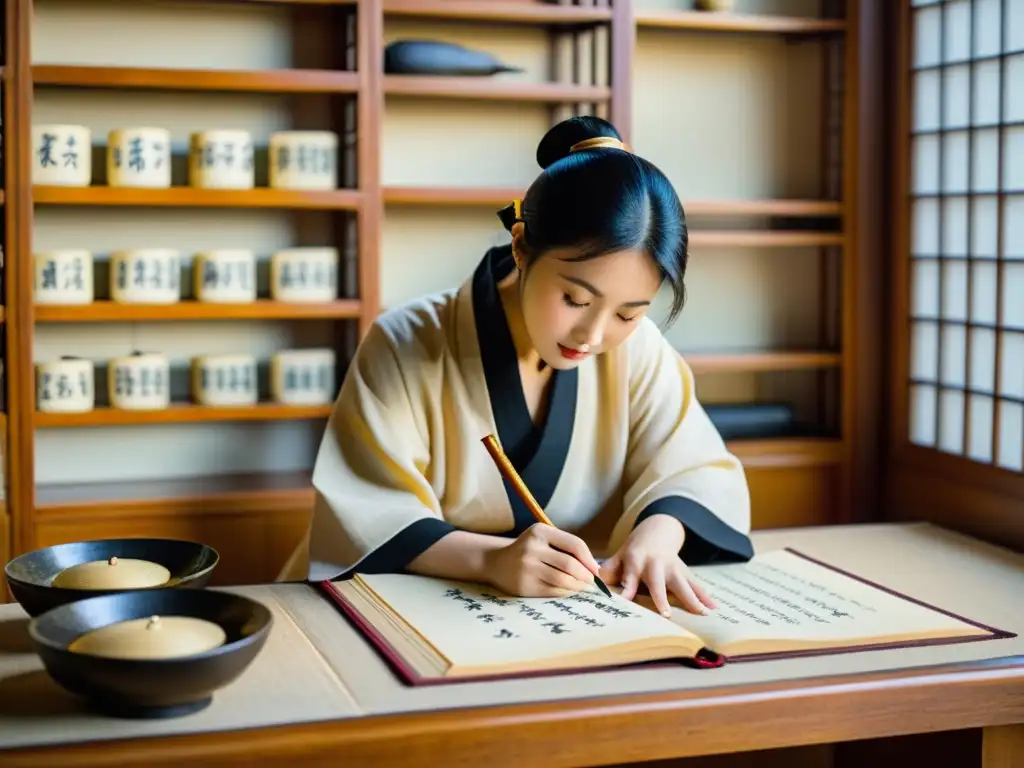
(780, 603)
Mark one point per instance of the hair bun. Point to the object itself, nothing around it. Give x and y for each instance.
(559, 140)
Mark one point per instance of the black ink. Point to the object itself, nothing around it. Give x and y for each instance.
(46, 150)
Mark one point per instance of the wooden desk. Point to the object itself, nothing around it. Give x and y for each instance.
(624, 717)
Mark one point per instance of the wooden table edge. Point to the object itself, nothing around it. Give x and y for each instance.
(602, 730)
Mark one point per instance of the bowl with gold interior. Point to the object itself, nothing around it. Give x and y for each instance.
(52, 576)
(150, 653)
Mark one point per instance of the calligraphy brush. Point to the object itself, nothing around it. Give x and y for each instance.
(505, 467)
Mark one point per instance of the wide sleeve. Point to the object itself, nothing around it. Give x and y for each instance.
(375, 510)
(677, 463)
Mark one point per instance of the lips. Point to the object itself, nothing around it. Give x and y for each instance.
(572, 354)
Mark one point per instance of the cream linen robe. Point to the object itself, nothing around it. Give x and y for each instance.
(402, 464)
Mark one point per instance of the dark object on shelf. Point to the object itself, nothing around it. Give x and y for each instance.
(752, 420)
(431, 57)
(191, 564)
(144, 688)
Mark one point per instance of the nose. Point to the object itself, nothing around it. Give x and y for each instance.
(589, 336)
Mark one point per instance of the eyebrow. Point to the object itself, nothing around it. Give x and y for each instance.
(593, 290)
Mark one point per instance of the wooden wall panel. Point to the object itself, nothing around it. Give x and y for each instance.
(253, 546)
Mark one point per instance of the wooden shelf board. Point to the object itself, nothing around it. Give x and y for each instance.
(497, 196)
(705, 21)
(491, 89)
(788, 452)
(181, 413)
(236, 491)
(763, 239)
(240, 489)
(262, 309)
(744, 362)
(339, 199)
(520, 12)
(266, 81)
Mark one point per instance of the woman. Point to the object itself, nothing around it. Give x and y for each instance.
(547, 346)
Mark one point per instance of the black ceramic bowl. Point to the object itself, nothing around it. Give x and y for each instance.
(144, 688)
(29, 575)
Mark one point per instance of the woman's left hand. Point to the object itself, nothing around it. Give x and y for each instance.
(651, 555)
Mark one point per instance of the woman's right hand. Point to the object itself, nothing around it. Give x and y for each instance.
(542, 562)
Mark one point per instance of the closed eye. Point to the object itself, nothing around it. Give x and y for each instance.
(569, 302)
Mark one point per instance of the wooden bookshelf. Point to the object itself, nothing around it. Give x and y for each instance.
(336, 82)
(699, 21)
(498, 196)
(263, 81)
(485, 89)
(187, 197)
(261, 309)
(180, 413)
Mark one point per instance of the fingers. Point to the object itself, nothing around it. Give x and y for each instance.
(655, 580)
(702, 594)
(566, 564)
(610, 569)
(574, 545)
(683, 588)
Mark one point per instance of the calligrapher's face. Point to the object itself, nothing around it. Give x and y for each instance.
(576, 309)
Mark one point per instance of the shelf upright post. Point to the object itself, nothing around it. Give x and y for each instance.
(18, 283)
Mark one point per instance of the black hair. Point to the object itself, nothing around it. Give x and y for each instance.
(600, 200)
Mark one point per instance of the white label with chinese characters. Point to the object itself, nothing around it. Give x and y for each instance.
(140, 382)
(139, 157)
(224, 380)
(304, 160)
(61, 155)
(63, 277)
(221, 159)
(226, 276)
(67, 385)
(303, 377)
(146, 276)
(304, 275)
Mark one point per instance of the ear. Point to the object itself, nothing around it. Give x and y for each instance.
(519, 245)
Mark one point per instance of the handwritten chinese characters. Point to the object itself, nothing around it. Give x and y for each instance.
(65, 386)
(304, 275)
(63, 277)
(555, 615)
(61, 155)
(146, 276)
(222, 159)
(226, 276)
(225, 380)
(303, 376)
(140, 381)
(303, 160)
(139, 157)
(473, 625)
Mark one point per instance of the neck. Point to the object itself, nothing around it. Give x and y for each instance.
(527, 356)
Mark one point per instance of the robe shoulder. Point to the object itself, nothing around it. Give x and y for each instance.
(374, 508)
(678, 464)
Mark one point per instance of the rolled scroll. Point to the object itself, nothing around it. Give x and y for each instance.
(304, 275)
(224, 380)
(304, 160)
(63, 277)
(61, 155)
(67, 385)
(303, 377)
(226, 276)
(139, 157)
(140, 382)
(221, 159)
(146, 276)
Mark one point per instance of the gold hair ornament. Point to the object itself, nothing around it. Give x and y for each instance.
(600, 142)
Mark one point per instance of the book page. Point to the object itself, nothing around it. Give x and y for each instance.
(780, 595)
(473, 626)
